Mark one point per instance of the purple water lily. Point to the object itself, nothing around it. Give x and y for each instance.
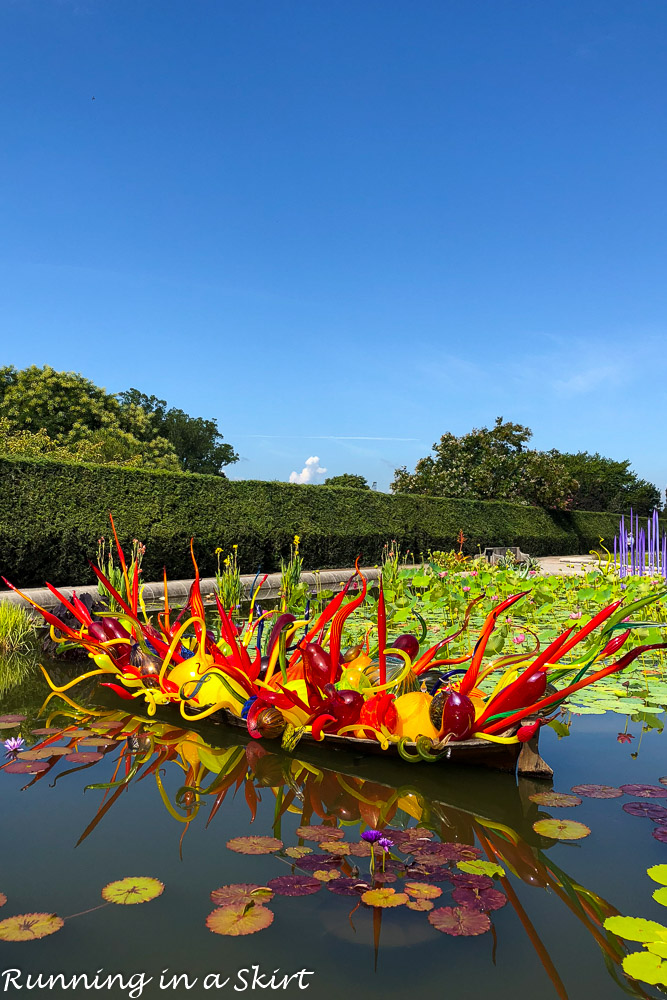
(14, 744)
(372, 836)
(385, 843)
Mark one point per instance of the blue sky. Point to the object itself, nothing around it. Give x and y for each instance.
(344, 228)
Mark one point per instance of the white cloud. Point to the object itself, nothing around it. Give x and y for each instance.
(311, 468)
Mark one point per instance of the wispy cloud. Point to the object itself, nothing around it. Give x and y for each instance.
(588, 380)
(311, 469)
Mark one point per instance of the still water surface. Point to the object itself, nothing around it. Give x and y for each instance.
(194, 791)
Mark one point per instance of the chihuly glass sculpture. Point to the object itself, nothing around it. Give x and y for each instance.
(302, 683)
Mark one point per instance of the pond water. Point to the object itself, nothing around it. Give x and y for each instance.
(184, 796)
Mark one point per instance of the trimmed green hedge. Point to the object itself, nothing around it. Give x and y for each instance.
(52, 513)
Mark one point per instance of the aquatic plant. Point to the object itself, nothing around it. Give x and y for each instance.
(18, 631)
(228, 580)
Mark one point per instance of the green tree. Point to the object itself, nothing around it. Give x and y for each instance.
(605, 484)
(490, 464)
(350, 479)
(197, 442)
(63, 414)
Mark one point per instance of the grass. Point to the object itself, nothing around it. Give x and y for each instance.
(18, 632)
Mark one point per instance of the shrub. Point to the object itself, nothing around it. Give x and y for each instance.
(52, 513)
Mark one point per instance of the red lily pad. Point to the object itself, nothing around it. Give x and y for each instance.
(480, 899)
(295, 885)
(320, 833)
(555, 800)
(409, 838)
(241, 893)
(459, 921)
(422, 890)
(360, 849)
(46, 731)
(29, 926)
(83, 758)
(561, 829)
(317, 862)
(468, 880)
(14, 719)
(27, 767)
(348, 886)
(645, 791)
(597, 791)
(238, 920)
(651, 809)
(660, 833)
(3, 899)
(437, 873)
(384, 877)
(254, 845)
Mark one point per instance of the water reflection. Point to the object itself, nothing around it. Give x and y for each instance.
(434, 820)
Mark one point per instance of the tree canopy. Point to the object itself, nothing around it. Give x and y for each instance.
(197, 442)
(605, 484)
(66, 416)
(351, 479)
(496, 464)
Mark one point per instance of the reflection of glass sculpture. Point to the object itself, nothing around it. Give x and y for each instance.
(393, 839)
(398, 696)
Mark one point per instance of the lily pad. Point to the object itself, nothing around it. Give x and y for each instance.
(636, 929)
(561, 829)
(384, 898)
(319, 833)
(134, 889)
(597, 791)
(83, 758)
(295, 885)
(490, 868)
(29, 926)
(321, 862)
(298, 852)
(27, 767)
(422, 890)
(360, 849)
(335, 847)
(348, 886)
(459, 921)
(651, 809)
(3, 899)
(658, 873)
(480, 899)
(645, 791)
(420, 904)
(254, 845)
(8, 725)
(14, 719)
(44, 753)
(326, 874)
(46, 731)
(240, 894)
(660, 833)
(470, 881)
(555, 800)
(646, 967)
(437, 873)
(238, 920)
(660, 896)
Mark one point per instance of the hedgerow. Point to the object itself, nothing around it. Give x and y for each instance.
(52, 513)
